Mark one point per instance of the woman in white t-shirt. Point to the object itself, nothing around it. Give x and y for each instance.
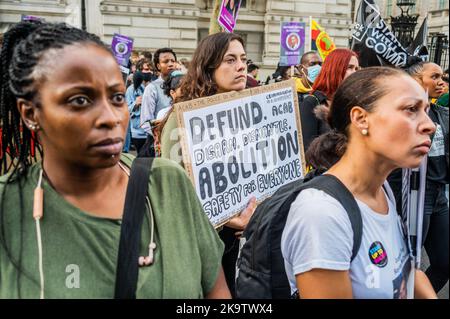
(380, 127)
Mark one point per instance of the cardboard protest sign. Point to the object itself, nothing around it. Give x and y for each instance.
(241, 144)
(228, 14)
(320, 40)
(292, 43)
(370, 31)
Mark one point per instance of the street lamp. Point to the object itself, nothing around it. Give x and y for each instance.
(404, 25)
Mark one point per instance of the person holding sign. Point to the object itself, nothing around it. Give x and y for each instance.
(66, 235)
(313, 110)
(379, 127)
(218, 65)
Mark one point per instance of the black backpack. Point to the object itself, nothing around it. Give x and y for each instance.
(260, 270)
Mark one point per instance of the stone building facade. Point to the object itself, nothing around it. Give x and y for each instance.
(180, 24)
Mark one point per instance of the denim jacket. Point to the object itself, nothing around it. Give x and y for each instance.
(135, 113)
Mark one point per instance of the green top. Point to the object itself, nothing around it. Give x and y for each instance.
(80, 250)
(443, 100)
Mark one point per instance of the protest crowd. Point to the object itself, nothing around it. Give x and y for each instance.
(107, 174)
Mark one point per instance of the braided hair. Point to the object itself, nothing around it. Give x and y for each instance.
(23, 47)
(21, 68)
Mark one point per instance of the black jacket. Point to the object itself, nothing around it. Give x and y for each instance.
(313, 120)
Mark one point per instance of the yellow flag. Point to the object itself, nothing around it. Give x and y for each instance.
(320, 40)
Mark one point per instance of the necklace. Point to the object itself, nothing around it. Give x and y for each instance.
(38, 213)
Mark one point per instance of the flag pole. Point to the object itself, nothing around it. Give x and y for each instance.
(310, 33)
(421, 209)
(407, 204)
(413, 201)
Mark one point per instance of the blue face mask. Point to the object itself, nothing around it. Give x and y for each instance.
(313, 72)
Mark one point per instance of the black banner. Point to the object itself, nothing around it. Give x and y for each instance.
(419, 46)
(373, 41)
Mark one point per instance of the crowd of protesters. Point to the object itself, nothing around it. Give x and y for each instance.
(357, 125)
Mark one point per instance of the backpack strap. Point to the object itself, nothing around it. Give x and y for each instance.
(130, 231)
(318, 96)
(336, 189)
(314, 97)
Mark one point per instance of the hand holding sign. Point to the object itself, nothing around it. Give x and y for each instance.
(240, 221)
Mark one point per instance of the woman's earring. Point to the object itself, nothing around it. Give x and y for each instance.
(365, 132)
(33, 127)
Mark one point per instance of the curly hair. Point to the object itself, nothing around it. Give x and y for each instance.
(24, 46)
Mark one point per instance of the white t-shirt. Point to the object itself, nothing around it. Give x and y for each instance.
(318, 234)
(438, 145)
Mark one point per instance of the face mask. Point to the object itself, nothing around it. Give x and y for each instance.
(313, 72)
(147, 77)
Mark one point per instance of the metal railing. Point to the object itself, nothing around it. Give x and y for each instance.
(438, 49)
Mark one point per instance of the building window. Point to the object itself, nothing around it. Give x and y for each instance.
(442, 4)
(202, 33)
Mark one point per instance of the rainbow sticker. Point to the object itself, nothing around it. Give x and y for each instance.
(378, 255)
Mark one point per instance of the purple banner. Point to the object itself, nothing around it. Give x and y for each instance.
(122, 47)
(228, 14)
(292, 43)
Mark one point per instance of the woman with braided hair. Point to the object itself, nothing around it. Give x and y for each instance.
(78, 113)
